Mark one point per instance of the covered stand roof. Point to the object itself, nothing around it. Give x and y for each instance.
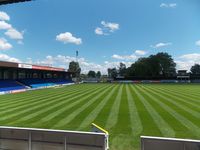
(30, 66)
(11, 1)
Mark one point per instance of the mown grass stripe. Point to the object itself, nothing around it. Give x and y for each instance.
(35, 95)
(187, 99)
(150, 128)
(54, 104)
(183, 95)
(136, 124)
(75, 123)
(38, 93)
(91, 117)
(176, 103)
(57, 113)
(104, 114)
(122, 135)
(162, 125)
(188, 124)
(123, 128)
(33, 105)
(190, 89)
(179, 110)
(113, 116)
(32, 99)
(193, 104)
(71, 116)
(27, 94)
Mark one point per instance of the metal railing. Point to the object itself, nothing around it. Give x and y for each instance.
(14, 138)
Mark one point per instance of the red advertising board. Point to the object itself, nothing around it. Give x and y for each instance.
(47, 68)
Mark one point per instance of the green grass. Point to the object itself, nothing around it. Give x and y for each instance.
(127, 111)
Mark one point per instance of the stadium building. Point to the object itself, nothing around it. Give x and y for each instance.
(17, 77)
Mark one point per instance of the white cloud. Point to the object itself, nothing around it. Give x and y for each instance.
(184, 65)
(110, 26)
(193, 56)
(87, 66)
(4, 16)
(159, 45)
(133, 56)
(169, 5)
(107, 27)
(124, 57)
(63, 61)
(11, 32)
(115, 64)
(140, 52)
(67, 37)
(4, 45)
(99, 31)
(14, 34)
(187, 61)
(172, 5)
(4, 25)
(5, 57)
(198, 43)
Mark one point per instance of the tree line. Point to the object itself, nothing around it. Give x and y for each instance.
(75, 69)
(158, 66)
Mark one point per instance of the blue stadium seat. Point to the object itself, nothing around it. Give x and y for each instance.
(38, 83)
(10, 85)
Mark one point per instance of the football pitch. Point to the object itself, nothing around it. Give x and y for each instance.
(125, 110)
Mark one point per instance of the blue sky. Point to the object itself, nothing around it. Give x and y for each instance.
(105, 32)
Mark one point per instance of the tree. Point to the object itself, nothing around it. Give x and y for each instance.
(91, 74)
(122, 69)
(159, 65)
(83, 76)
(195, 70)
(74, 68)
(98, 74)
(141, 67)
(167, 66)
(112, 72)
(109, 72)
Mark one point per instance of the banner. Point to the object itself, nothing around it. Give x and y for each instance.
(25, 66)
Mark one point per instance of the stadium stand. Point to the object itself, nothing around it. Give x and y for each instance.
(16, 77)
(10, 85)
(60, 81)
(38, 83)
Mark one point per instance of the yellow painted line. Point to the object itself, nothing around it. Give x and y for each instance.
(98, 127)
